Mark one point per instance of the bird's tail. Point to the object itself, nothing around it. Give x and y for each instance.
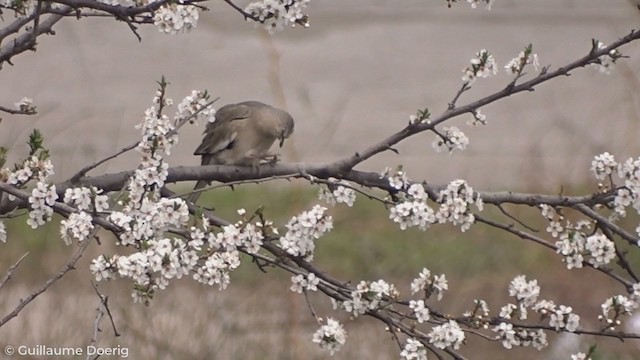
(193, 197)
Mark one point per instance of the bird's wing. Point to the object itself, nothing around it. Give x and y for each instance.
(223, 131)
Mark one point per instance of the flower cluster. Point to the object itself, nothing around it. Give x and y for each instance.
(446, 335)
(580, 356)
(330, 336)
(455, 203)
(3, 232)
(31, 168)
(174, 18)
(413, 350)
(303, 283)
(420, 310)
(603, 165)
(84, 198)
(526, 294)
(614, 307)
(149, 219)
(77, 226)
(574, 244)
(304, 229)
(151, 269)
(476, 3)
(276, 14)
(224, 246)
(368, 296)
(526, 57)
(478, 119)
(196, 103)
(414, 211)
(428, 285)
(451, 139)
(397, 179)
(605, 63)
(25, 105)
(42, 198)
(337, 192)
(156, 130)
(209, 256)
(482, 65)
(510, 337)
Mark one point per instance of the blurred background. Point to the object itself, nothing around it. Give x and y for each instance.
(350, 80)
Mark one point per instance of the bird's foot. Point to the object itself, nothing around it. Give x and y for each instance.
(270, 159)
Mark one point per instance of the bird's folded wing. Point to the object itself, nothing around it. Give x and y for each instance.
(223, 131)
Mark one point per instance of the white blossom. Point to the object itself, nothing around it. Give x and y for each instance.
(580, 356)
(276, 14)
(524, 58)
(601, 249)
(369, 296)
(616, 306)
(174, 18)
(330, 336)
(435, 285)
(101, 268)
(482, 65)
(42, 198)
(302, 283)
(446, 335)
(78, 226)
(453, 139)
(455, 202)
(506, 335)
(31, 168)
(526, 292)
(398, 180)
(86, 198)
(603, 165)
(508, 311)
(337, 192)
(606, 62)
(3, 232)
(304, 229)
(25, 104)
(420, 310)
(474, 3)
(413, 350)
(217, 267)
(478, 119)
(563, 318)
(412, 213)
(195, 103)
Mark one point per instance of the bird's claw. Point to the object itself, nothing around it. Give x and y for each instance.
(271, 159)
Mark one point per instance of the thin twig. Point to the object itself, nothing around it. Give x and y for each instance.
(10, 271)
(18, 111)
(70, 265)
(516, 219)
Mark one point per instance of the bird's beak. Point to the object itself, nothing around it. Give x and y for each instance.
(281, 141)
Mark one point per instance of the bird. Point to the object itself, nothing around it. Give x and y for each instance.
(242, 134)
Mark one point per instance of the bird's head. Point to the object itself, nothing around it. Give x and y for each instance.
(285, 127)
